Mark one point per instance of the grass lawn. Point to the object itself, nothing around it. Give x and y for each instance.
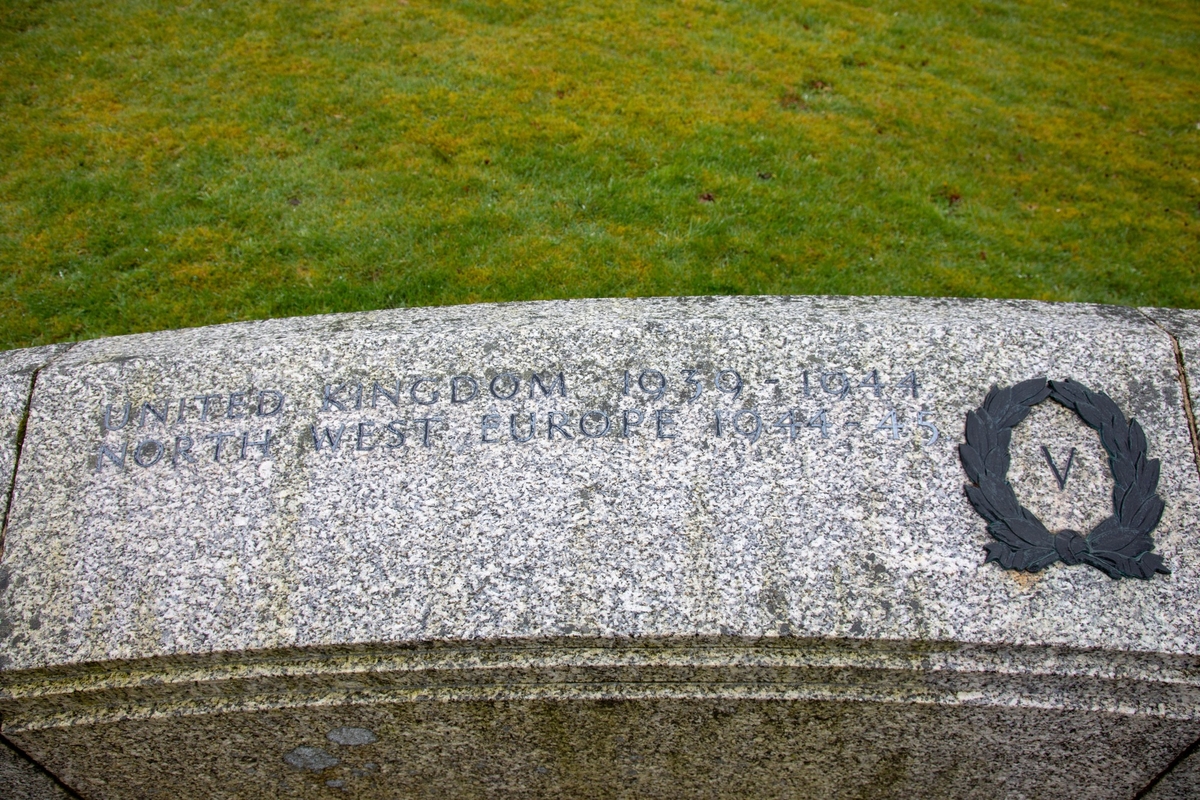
(166, 164)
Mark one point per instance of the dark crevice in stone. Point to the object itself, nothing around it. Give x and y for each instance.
(47, 774)
(20, 443)
(1179, 759)
(1181, 368)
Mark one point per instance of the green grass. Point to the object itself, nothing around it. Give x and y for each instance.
(165, 165)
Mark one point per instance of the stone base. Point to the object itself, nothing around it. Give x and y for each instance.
(715, 718)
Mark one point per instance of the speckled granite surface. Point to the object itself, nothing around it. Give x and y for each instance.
(776, 540)
(21, 780)
(17, 370)
(18, 778)
(1181, 783)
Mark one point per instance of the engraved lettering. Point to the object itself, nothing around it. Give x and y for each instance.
(377, 390)
(111, 455)
(206, 401)
(156, 452)
(328, 401)
(219, 438)
(1062, 476)
(630, 419)
(790, 422)
(658, 385)
(923, 422)
(148, 408)
(456, 396)
(364, 430)
(535, 381)
(396, 429)
(890, 423)
(331, 439)
(490, 423)
(840, 385)
(662, 421)
(264, 445)
(426, 425)
(557, 426)
(237, 401)
(909, 382)
(109, 425)
(183, 447)
(433, 396)
(751, 434)
(690, 380)
(733, 386)
(509, 376)
(820, 420)
(599, 429)
(512, 427)
(262, 403)
(871, 381)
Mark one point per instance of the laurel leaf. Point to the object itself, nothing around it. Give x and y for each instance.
(1034, 559)
(1147, 515)
(999, 495)
(1015, 415)
(1066, 392)
(1136, 567)
(995, 390)
(1151, 563)
(1137, 437)
(1089, 414)
(971, 461)
(1108, 535)
(997, 402)
(1031, 392)
(1123, 471)
(1001, 532)
(976, 434)
(1114, 442)
(1108, 563)
(1120, 496)
(997, 460)
(1107, 408)
(1148, 472)
(1138, 543)
(999, 552)
(1029, 530)
(980, 503)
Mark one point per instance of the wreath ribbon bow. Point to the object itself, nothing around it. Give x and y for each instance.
(1120, 545)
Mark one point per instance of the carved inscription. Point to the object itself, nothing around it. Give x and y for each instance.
(401, 412)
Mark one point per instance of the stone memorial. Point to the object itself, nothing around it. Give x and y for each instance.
(702, 547)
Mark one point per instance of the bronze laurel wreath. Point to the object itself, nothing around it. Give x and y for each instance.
(1121, 544)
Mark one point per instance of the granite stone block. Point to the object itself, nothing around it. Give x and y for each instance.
(703, 546)
(18, 369)
(22, 780)
(1182, 782)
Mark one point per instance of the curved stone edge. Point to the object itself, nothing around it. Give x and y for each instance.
(844, 670)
